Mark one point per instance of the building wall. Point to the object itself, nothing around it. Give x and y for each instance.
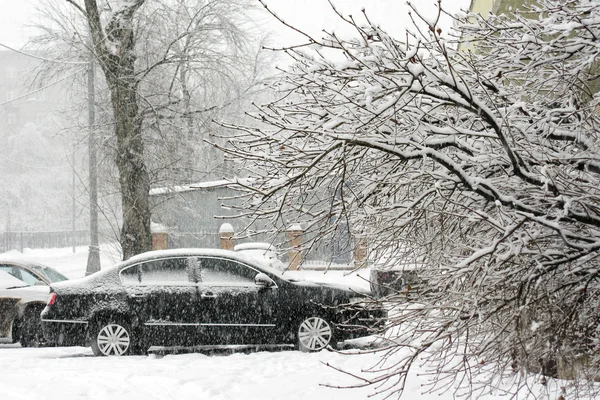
(507, 6)
(483, 7)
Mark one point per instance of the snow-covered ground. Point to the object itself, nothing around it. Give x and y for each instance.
(74, 373)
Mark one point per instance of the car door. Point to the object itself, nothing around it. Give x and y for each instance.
(164, 299)
(233, 309)
(8, 312)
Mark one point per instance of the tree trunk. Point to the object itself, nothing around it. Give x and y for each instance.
(93, 261)
(115, 52)
(133, 175)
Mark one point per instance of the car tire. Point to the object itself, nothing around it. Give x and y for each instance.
(29, 328)
(112, 338)
(314, 334)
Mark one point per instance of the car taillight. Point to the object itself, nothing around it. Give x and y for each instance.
(52, 299)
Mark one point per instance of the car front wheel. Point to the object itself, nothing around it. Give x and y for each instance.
(314, 334)
(112, 339)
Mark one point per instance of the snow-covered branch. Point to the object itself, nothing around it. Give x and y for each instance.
(482, 163)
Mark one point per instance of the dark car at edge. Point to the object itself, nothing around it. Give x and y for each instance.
(23, 294)
(190, 297)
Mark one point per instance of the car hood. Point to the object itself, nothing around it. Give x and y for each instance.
(339, 287)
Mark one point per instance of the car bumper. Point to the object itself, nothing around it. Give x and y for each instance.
(65, 332)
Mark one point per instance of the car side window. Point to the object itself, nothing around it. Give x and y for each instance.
(225, 272)
(20, 273)
(131, 275)
(9, 269)
(28, 277)
(166, 271)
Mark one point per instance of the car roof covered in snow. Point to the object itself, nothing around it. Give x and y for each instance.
(254, 246)
(185, 253)
(203, 252)
(107, 274)
(18, 260)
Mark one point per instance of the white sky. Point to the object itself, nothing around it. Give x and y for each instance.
(311, 15)
(14, 15)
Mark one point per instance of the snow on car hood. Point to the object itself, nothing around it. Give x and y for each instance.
(337, 286)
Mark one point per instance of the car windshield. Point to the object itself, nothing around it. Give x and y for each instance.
(51, 274)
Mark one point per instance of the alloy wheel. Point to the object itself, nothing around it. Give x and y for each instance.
(113, 340)
(314, 334)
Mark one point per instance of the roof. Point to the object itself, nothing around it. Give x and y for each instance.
(198, 186)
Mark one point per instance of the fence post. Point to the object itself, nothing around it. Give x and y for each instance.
(226, 233)
(360, 252)
(159, 236)
(294, 233)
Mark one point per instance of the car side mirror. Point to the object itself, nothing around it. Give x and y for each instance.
(263, 280)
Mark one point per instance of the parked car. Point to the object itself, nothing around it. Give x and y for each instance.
(30, 272)
(189, 297)
(23, 295)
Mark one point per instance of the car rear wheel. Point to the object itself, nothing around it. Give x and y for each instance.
(29, 328)
(112, 339)
(314, 334)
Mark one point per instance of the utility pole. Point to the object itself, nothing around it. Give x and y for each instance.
(93, 262)
(73, 202)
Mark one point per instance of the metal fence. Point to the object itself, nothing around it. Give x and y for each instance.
(44, 240)
(177, 240)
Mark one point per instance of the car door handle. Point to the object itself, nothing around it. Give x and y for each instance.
(208, 295)
(138, 296)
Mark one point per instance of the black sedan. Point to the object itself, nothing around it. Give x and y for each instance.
(193, 297)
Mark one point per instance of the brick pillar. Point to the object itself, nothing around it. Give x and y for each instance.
(226, 233)
(360, 252)
(294, 233)
(159, 236)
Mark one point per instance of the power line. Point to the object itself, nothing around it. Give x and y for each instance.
(44, 167)
(43, 87)
(42, 58)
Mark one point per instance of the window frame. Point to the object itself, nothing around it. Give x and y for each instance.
(251, 283)
(156, 283)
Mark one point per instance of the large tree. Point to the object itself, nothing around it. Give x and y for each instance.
(113, 44)
(480, 166)
(167, 65)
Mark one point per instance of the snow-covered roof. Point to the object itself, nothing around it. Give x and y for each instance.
(197, 186)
